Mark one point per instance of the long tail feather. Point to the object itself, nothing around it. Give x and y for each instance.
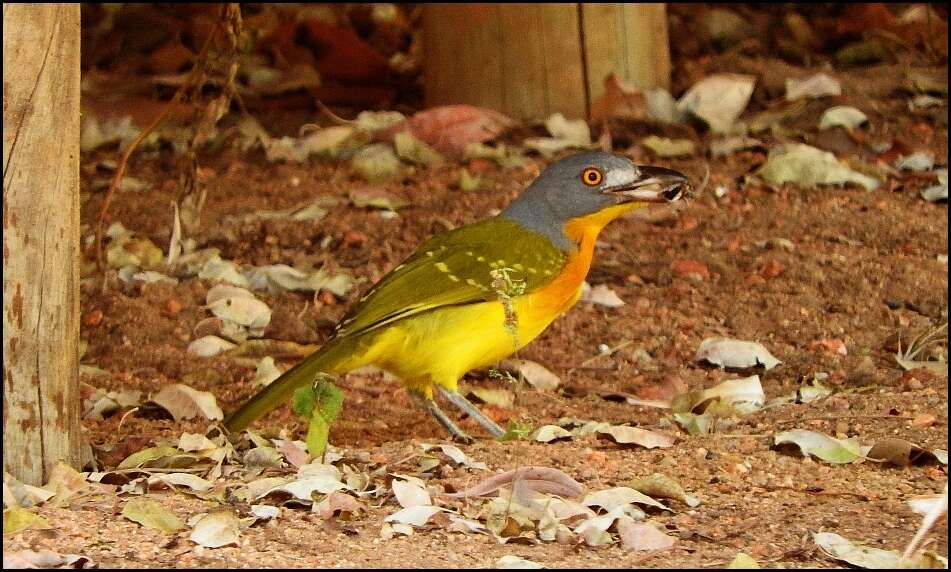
(280, 390)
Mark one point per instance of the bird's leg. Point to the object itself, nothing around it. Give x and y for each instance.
(471, 410)
(444, 420)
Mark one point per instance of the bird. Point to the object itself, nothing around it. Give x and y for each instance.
(472, 296)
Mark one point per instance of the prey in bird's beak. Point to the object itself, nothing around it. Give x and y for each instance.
(652, 185)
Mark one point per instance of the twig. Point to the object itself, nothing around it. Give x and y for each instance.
(124, 159)
(837, 417)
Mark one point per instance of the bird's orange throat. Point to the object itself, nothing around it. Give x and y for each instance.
(564, 290)
(584, 231)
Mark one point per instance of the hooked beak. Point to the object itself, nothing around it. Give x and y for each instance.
(655, 185)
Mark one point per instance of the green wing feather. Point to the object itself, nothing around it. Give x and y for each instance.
(455, 268)
(449, 269)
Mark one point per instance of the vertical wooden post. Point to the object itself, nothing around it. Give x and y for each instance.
(532, 60)
(40, 238)
(629, 40)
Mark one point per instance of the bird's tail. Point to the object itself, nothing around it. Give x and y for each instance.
(324, 360)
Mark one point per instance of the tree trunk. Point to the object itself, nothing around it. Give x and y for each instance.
(40, 238)
(532, 60)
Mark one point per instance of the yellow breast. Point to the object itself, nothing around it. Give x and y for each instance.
(441, 346)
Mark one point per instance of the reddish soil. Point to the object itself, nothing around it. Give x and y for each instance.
(860, 267)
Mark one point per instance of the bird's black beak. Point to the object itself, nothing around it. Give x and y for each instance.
(655, 185)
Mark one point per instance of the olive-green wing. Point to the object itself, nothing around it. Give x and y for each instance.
(455, 268)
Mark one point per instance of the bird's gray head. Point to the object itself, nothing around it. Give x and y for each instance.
(587, 183)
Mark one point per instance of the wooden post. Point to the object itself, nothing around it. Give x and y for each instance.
(532, 60)
(40, 238)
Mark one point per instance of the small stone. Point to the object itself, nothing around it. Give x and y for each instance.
(690, 269)
(93, 318)
(923, 420)
(688, 223)
(354, 238)
(772, 269)
(173, 307)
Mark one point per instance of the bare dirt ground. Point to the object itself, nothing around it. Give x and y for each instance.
(859, 267)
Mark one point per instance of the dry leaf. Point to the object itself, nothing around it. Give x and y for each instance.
(151, 514)
(417, 515)
(216, 529)
(450, 128)
(727, 352)
(643, 536)
(540, 479)
(551, 434)
(616, 497)
(821, 446)
(184, 402)
(624, 435)
(410, 494)
(537, 375)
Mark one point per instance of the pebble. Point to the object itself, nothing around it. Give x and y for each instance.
(690, 269)
(923, 420)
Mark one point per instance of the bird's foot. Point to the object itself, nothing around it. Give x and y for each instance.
(429, 405)
(471, 410)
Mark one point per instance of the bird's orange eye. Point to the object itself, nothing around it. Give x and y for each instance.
(592, 177)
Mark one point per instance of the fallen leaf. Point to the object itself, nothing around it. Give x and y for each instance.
(411, 149)
(17, 518)
(813, 87)
(640, 536)
(916, 162)
(216, 529)
(184, 402)
(594, 530)
(841, 548)
(624, 435)
(376, 198)
(456, 454)
(195, 442)
(151, 514)
(808, 167)
(900, 452)
(739, 396)
(842, 116)
(239, 306)
(377, 163)
(821, 446)
(451, 128)
(551, 434)
(540, 479)
(278, 278)
(601, 295)
(148, 456)
(410, 494)
(718, 100)
(610, 499)
(512, 562)
(208, 346)
(731, 353)
(658, 485)
(338, 504)
(417, 515)
(537, 375)
(187, 480)
(265, 511)
(743, 560)
(665, 147)
(724, 146)
(566, 134)
(266, 372)
(45, 559)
